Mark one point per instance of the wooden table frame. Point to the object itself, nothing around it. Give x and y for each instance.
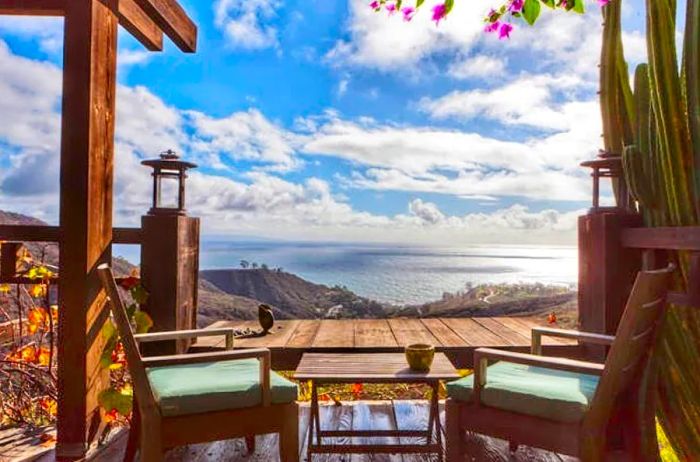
(432, 435)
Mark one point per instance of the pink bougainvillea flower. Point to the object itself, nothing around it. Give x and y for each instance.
(505, 30)
(374, 5)
(603, 2)
(408, 13)
(492, 27)
(516, 6)
(391, 8)
(439, 13)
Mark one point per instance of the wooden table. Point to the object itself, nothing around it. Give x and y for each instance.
(328, 368)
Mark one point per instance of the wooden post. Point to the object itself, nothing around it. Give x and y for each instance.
(10, 254)
(87, 148)
(606, 272)
(170, 273)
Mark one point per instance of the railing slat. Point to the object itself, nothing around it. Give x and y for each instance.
(667, 238)
(44, 233)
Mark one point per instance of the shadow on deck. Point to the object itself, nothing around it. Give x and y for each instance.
(375, 415)
(456, 337)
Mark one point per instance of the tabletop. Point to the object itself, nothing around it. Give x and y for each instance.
(370, 368)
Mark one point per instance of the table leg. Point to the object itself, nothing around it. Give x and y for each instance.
(312, 419)
(438, 426)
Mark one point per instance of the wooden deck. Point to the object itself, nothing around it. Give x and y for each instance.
(456, 337)
(376, 415)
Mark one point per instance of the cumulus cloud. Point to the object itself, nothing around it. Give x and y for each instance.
(425, 211)
(245, 22)
(479, 66)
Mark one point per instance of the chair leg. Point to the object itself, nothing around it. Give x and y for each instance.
(289, 435)
(454, 433)
(250, 443)
(151, 447)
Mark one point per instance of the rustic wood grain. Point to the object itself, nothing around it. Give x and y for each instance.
(473, 333)
(446, 336)
(408, 331)
(173, 20)
(86, 190)
(370, 367)
(373, 333)
(304, 335)
(333, 333)
(509, 336)
(380, 416)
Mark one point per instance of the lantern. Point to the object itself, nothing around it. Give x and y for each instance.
(169, 173)
(608, 166)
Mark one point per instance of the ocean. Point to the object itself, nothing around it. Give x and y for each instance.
(395, 273)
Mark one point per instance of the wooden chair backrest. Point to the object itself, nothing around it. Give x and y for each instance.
(634, 344)
(142, 387)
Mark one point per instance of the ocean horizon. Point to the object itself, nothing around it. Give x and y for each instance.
(395, 273)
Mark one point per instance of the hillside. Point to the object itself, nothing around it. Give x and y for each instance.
(292, 296)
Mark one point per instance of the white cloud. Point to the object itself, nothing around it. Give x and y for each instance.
(426, 211)
(244, 22)
(246, 135)
(527, 100)
(479, 67)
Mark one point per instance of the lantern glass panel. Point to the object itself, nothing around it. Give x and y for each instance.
(168, 191)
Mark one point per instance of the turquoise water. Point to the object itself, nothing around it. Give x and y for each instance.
(396, 274)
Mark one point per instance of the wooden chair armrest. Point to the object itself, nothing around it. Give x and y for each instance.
(262, 354)
(187, 334)
(483, 355)
(586, 337)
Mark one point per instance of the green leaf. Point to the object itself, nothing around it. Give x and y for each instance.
(139, 294)
(549, 3)
(531, 11)
(419, 3)
(579, 6)
(449, 4)
(398, 5)
(143, 322)
(130, 310)
(112, 399)
(109, 331)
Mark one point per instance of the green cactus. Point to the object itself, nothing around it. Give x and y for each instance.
(661, 163)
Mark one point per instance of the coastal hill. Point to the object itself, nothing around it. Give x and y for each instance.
(291, 296)
(231, 294)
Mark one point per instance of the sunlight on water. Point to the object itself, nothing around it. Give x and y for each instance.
(401, 274)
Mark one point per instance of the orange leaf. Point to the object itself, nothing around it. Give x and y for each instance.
(552, 318)
(28, 354)
(44, 356)
(5, 289)
(110, 416)
(356, 388)
(49, 405)
(37, 319)
(47, 439)
(38, 290)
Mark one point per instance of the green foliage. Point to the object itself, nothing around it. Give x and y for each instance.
(531, 11)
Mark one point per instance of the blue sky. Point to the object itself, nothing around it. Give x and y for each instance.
(324, 120)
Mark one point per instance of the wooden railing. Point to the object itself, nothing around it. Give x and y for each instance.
(41, 233)
(655, 244)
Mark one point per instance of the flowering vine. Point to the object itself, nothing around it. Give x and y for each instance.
(498, 20)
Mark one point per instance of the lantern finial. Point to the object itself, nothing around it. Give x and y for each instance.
(169, 173)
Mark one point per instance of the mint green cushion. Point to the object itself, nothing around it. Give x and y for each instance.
(233, 384)
(536, 391)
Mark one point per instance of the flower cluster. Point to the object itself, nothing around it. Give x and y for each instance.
(439, 11)
(498, 21)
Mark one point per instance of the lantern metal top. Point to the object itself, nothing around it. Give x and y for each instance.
(608, 165)
(169, 160)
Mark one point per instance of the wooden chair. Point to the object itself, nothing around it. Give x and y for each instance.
(560, 404)
(202, 397)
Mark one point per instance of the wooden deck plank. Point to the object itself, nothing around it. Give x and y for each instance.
(412, 415)
(509, 336)
(408, 331)
(335, 333)
(446, 336)
(531, 322)
(374, 416)
(473, 333)
(304, 335)
(524, 328)
(373, 333)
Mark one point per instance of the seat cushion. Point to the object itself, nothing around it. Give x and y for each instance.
(216, 386)
(536, 391)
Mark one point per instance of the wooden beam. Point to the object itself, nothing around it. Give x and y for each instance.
(29, 233)
(86, 184)
(172, 20)
(32, 7)
(138, 24)
(669, 238)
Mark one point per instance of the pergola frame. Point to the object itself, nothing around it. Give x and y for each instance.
(86, 183)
